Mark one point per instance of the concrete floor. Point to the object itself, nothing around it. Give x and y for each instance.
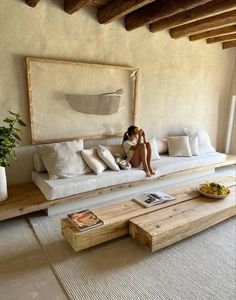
(25, 273)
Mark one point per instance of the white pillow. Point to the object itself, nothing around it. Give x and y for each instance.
(153, 144)
(38, 164)
(162, 146)
(179, 146)
(107, 158)
(193, 142)
(204, 143)
(93, 161)
(63, 160)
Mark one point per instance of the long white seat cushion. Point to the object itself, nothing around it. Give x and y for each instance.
(59, 188)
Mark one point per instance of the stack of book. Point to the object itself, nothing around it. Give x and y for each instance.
(84, 220)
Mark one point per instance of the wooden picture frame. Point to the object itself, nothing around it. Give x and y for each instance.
(48, 107)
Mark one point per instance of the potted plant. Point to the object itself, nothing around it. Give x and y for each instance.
(9, 139)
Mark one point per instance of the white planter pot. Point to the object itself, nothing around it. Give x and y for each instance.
(3, 184)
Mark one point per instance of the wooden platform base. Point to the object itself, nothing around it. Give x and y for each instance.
(26, 198)
(159, 229)
(117, 217)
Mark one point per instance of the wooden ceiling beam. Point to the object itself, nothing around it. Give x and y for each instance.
(211, 8)
(71, 6)
(32, 3)
(118, 8)
(230, 44)
(212, 33)
(158, 10)
(222, 38)
(204, 24)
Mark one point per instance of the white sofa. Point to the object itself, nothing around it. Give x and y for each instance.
(60, 188)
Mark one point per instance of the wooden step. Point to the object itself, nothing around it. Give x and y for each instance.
(159, 229)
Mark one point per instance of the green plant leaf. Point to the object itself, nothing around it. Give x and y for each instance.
(12, 113)
(8, 120)
(17, 129)
(16, 136)
(22, 123)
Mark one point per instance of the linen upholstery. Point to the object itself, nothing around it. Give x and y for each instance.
(179, 146)
(162, 146)
(93, 161)
(38, 163)
(204, 142)
(107, 157)
(63, 159)
(54, 189)
(153, 144)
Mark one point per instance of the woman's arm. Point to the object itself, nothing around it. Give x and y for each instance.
(138, 142)
(144, 137)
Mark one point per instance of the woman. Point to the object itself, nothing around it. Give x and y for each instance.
(137, 149)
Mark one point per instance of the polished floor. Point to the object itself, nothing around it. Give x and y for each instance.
(25, 273)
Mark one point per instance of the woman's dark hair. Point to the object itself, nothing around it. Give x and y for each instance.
(129, 132)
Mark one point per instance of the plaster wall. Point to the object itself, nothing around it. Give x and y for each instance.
(181, 83)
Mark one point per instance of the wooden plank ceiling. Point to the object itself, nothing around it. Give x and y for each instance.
(213, 20)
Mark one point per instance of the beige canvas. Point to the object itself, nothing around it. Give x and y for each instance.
(52, 115)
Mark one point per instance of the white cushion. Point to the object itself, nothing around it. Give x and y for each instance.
(193, 142)
(38, 164)
(179, 146)
(204, 143)
(107, 158)
(63, 160)
(54, 189)
(93, 161)
(153, 144)
(162, 146)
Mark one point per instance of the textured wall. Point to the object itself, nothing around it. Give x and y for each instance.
(181, 83)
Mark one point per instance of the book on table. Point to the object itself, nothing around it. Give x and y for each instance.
(84, 220)
(153, 198)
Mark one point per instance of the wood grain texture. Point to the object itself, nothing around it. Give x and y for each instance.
(212, 33)
(100, 3)
(116, 217)
(162, 228)
(226, 37)
(71, 6)
(118, 8)
(32, 3)
(209, 9)
(26, 197)
(159, 10)
(230, 44)
(204, 24)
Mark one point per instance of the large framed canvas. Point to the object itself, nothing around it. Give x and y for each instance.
(70, 99)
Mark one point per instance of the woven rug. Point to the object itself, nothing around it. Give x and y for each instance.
(201, 267)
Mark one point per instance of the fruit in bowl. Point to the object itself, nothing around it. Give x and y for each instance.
(214, 190)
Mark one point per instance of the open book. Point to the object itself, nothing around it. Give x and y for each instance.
(153, 198)
(84, 220)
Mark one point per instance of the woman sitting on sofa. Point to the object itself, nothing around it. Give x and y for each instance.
(137, 149)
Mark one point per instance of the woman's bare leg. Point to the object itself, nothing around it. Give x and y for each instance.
(140, 156)
(149, 157)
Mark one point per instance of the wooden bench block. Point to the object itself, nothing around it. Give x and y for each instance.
(116, 217)
(162, 228)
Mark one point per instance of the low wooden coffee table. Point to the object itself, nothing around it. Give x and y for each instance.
(158, 226)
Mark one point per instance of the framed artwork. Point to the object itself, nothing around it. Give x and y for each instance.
(70, 99)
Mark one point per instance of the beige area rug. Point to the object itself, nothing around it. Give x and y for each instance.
(202, 267)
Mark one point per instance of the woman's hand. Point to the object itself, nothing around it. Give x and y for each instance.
(140, 132)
